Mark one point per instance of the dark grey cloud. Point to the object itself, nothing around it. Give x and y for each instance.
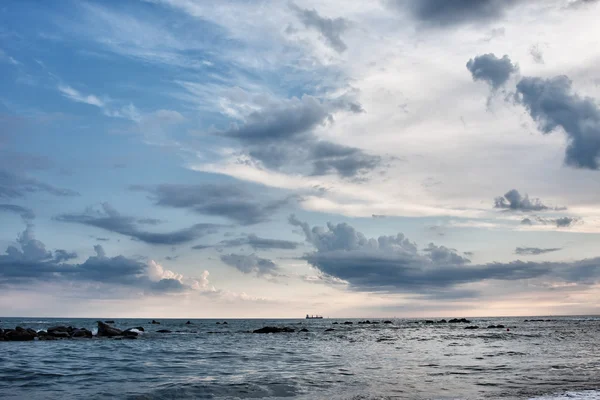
(229, 201)
(281, 137)
(109, 219)
(31, 262)
(513, 200)
(13, 185)
(534, 251)
(251, 264)
(526, 221)
(564, 222)
(330, 29)
(455, 12)
(394, 264)
(282, 121)
(552, 104)
(253, 241)
(25, 213)
(491, 69)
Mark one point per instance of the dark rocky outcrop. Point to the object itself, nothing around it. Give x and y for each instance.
(387, 322)
(19, 335)
(139, 328)
(472, 327)
(109, 322)
(274, 329)
(303, 330)
(348, 323)
(496, 326)
(218, 323)
(443, 321)
(163, 331)
(364, 322)
(334, 323)
(188, 323)
(329, 330)
(155, 322)
(81, 333)
(429, 321)
(107, 330)
(225, 323)
(459, 321)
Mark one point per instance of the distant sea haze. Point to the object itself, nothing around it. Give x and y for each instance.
(474, 358)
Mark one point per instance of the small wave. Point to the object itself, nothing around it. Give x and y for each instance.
(584, 395)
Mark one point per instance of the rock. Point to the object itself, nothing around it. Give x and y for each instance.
(130, 333)
(348, 323)
(429, 321)
(55, 329)
(274, 329)
(225, 323)
(163, 331)
(107, 330)
(139, 328)
(329, 330)
(303, 330)
(334, 323)
(472, 327)
(387, 322)
(18, 336)
(109, 322)
(60, 335)
(459, 321)
(155, 322)
(496, 327)
(81, 333)
(188, 323)
(443, 321)
(32, 331)
(218, 323)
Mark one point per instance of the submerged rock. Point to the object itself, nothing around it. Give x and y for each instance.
(443, 321)
(472, 327)
(163, 331)
(496, 326)
(348, 323)
(225, 323)
(110, 321)
(107, 330)
(188, 323)
(329, 330)
(155, 322)
(429, 321)
(274, 329)
(387, 322)
(334, 323)
(303, 330)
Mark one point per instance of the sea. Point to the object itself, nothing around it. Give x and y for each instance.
(549, 358)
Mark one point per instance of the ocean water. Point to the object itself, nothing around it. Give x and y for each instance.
(405, 360)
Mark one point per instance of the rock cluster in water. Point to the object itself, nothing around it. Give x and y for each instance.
(274, 329)
(20, 334)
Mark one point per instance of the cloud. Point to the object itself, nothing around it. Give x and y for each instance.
(25, 213)
(109, 219)
(552, 104)
(227, 201)
(6, 58)
(526, 221)
(253, 241)
(564, 222)
(513, 200)
(456, 12)
(76, 96)
(330, 29)
(251, 264)
(31, 262)
(534, 251)
(492, 70)
(394, 264)
(14, 185)
(279, 134)
(536, 54)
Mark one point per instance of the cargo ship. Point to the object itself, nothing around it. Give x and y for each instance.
(313, 316)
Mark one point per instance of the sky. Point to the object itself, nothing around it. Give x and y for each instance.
(263, 159)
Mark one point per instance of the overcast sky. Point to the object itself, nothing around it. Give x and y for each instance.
(192, 158)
